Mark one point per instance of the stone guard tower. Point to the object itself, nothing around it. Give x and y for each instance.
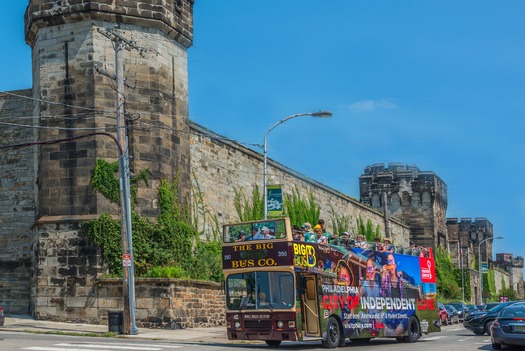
(417, 198)
(72, 98)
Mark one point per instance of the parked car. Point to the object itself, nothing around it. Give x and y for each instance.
(509, 327)
(462, 309)
(470, 309)
(490, 305)
(480, 322)
(453, 317)
(443, 314)
(2, 316)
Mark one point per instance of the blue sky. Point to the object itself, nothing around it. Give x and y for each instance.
(436, 84)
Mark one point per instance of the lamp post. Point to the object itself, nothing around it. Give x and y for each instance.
(320, 114)
(480, 268)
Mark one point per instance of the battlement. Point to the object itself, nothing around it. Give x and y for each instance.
(173, 17)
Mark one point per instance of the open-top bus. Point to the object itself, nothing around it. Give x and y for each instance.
(279, 289)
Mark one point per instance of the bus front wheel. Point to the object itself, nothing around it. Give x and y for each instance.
(273, 343)
(333, 334)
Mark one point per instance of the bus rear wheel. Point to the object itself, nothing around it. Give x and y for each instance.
(413, 330)
(333, 334)
(273, 342)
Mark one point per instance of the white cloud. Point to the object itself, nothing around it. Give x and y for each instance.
(372, 105)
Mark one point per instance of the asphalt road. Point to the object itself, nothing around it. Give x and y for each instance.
(453, 337)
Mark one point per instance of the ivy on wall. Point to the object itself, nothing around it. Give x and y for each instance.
(168, 247)
(446, 276)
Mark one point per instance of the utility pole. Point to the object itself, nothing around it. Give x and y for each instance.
(460, 254)
(384, 199)
(128, 285)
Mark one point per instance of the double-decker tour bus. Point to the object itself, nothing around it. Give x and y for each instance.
(281, 289)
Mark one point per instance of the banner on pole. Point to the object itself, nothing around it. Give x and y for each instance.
(484, 267)
(275, 200)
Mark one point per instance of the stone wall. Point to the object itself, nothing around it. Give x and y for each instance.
(221, 166)
(500, 276)
(166, 303)
(17, 207)
(67, 286)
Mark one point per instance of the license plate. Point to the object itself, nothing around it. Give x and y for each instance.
(519, 327)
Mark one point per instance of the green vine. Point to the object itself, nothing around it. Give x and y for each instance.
(446, 276)
(169, 246)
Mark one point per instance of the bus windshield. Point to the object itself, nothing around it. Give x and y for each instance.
(260, 230)
(259, 290)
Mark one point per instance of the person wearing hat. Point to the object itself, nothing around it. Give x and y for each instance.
(266, 233)
(308, 232)
(344, 238)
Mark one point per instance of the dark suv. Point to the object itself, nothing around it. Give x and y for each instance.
(461, 307)
(480, 322)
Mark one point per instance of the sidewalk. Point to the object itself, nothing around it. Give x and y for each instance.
(24, 323)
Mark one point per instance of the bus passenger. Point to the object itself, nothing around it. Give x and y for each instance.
(360, 243)
(266, 233)
(256, 234)
(242, 236)
(321, 238)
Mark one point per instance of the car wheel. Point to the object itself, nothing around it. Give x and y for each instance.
(413, 330)
(333, 334)
(487, 327)
(496, 346)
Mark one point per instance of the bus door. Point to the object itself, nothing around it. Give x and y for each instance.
(310, 306)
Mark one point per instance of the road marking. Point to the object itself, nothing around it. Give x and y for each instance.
(432, 338)
(467, 338)
(118, 345)
(101, 346)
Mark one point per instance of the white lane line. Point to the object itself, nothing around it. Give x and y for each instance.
(111, 346)
(41, 348)
(145, 347)
(431, 338)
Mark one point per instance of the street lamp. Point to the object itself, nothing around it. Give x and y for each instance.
(320, 114)
(480, 270)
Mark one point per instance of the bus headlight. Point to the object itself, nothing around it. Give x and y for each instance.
(237, 325)
(280, 324)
